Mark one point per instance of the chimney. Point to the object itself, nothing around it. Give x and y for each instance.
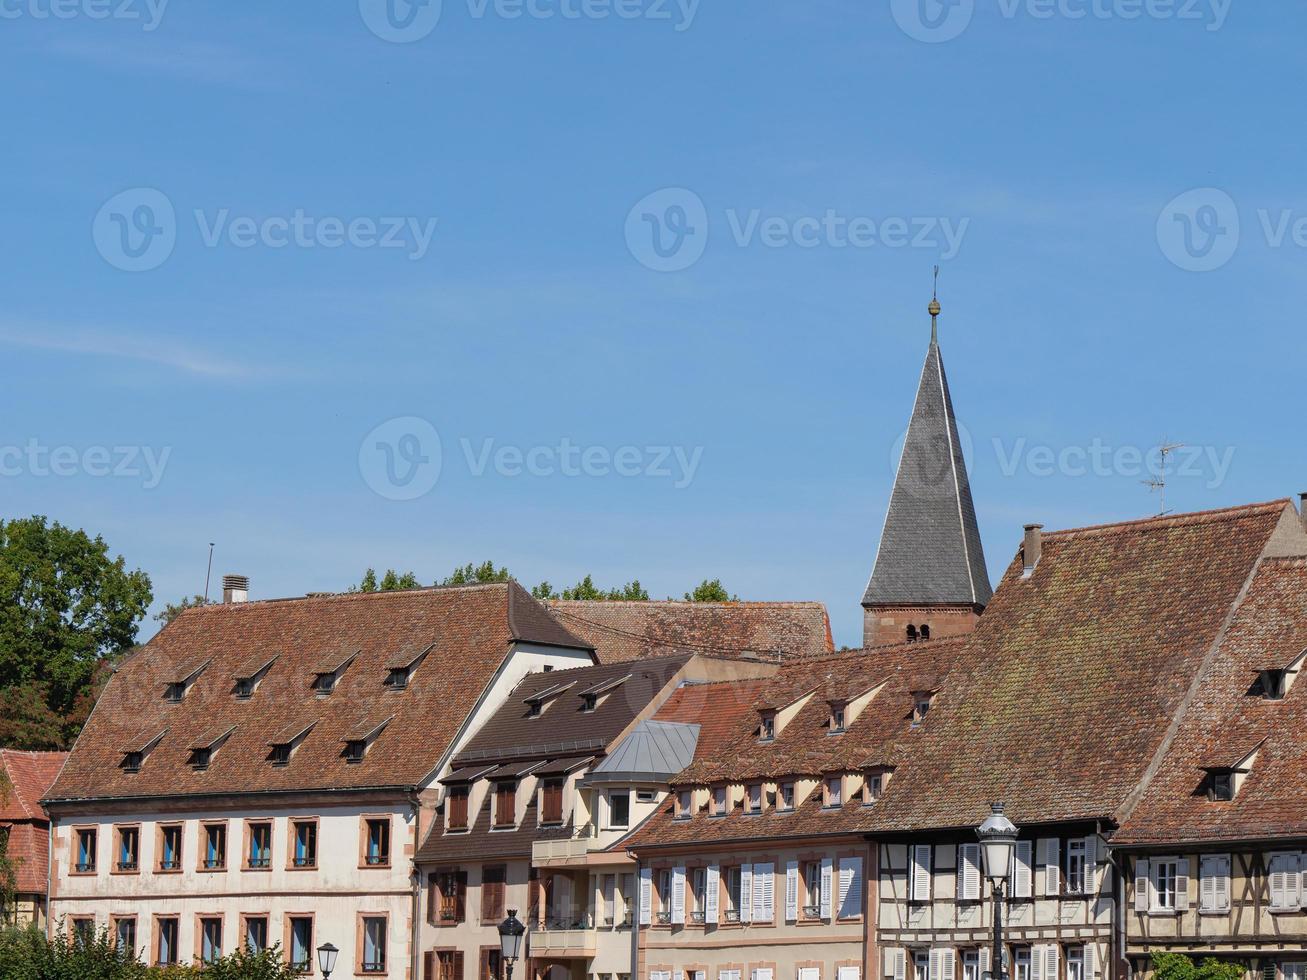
(235, 588)
(1302, 510)
(1032, 548)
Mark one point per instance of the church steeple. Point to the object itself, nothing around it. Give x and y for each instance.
(929, 579)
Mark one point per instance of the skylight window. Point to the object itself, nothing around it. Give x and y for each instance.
(767, 727)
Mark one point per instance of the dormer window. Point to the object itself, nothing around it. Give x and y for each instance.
(282, 746)
(328, 675)
(595, 695)
(589, 702)
(720, 799)
(174, 692)
(872, 788)
(202, 752)
(1221, 785)
(833, 792)
(837, 712)
(753, 796)
(200, 758)
(787, 796)
(922, 701)
(1272, 684)
(684, 804)
(1222, 782)
(177, 687)
(354, 749)
(360, 740)
(534, 709)
(537, 702)
(132, 761)
(280, 755)
(400, 673)
(767, 727)
(134, 754)
(247, 682)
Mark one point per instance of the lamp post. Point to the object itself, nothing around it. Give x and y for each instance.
(998, 835)
(511, 932)
(327, 954)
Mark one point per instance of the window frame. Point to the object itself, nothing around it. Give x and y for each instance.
(118, 867)
(288, 927)
(1074, 866)
(462, 792)
(246, 919)
(293, 862)
(202, 858)
(160, 920)
(173, 867)
(367, 822)
(202, 920)
(116, 922)
(1156, 878)
(361, 966)
(247, 858)
(611, 796)
(77, 866)
(504, 815)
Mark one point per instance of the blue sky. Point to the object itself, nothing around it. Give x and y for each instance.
(804, 166)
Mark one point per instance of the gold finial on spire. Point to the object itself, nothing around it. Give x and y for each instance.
(934, 309)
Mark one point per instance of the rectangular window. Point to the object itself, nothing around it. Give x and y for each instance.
(619, 809)
(132, 761)
(812, 888)
(1165, 874)
(449, 965)
(1021, 958)
(754, 796)
(836, 718)
(664, 916)
(260, 855)
(872, 788)
(280, 755)
(1285, 870)
(124, 934)
(377, 849)
(300, 928)
(1075, 865)
(448, 896)
(646, 796)
(86, 840)
(505, 804)
(684, 804)
(304, 835)
(719, 801)
(83, 930)
(256, 933)
(491, 965)
(834, 789)
(698, 894)
(215, 846)
(129, 849)
(971, 964)
(1214, 883)
(787, 796)
(458, 796)
(493, 884)
(1075, 963)
(170, 847)
(374, 944)
(324, 684)
(210, 940)
(733, 890)
(551, 801)
(921, 965)
(165, 951)
(767, 728)
(355, 750)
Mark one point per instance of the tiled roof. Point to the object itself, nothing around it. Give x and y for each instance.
(930, 549)
(877, 737)
(1228, 718)
(718, 709)
(29, 850)
(1066, 689)
(563, 728)
(624, 631)
(471, 628)
(29, 775)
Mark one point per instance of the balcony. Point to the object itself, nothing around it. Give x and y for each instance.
(559, 941)
(560, 853)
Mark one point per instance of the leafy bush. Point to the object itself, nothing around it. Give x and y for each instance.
(1178, 966)
(25, 954)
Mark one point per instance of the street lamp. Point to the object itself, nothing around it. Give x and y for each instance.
(327, 954)
(511, 932)
(998, 835)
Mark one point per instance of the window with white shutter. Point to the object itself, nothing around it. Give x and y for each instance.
(1164, 878)
(1075, 866)
(1143, 885)
(764, 897)
(899, 967)
(1284, 875)
(1090, 960)
(891, 962)
(971, 964)
(1050, 962)
(986, 956)
(762, 973)
(792, 893)
(948, 964)
(1033, 957)
(920, 873)
(809, 973)
(646, 896)
(1022, 871)
(850, 887)
(855, 973)
(660, 975)
(678, 895)
(969, 873)
(827, 885)
(936, 964)
(1182, 885)
(1214, 883)
(1050, 860)
(728, 975)
(1091, 864)
(712, 894)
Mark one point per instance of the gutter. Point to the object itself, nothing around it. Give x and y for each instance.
(415, 879)
(77, 801)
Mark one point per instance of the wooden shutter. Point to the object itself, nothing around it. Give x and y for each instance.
(792, 892)
(1091, 867)
(712, 893)
(678, 895)
(969, 873)
(460, 897)
(764, 881)
(433, 898)
(1049, 858)
(1036, 963)
(1143, 885)
(646, 895)
(553, 801)
(921, 873)
(746, 893)
(827, 885)
(1089, 961)
(948, 962)
(1222, 890)
(850, 887)
(492, 895)
(1022, 872)
(1050, 962)
(458, 965)
(934, 972)
(1182, 884)
(428, 966)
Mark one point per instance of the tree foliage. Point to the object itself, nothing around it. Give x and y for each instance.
(25, 954)
(67, 610)
(713, 591)
(391, 581)
(476, 575)
(586, 589)
(1178, 966)
(174, 609)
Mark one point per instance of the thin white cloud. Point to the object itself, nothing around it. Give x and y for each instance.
(193, 60)
(101, 342)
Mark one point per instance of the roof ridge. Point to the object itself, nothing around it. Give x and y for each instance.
(816, 603)
(1173, 520)
(347, 596)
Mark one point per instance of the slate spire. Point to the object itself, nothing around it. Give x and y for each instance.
(930, 553)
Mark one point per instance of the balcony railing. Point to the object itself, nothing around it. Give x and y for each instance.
(812, 911)
(557, 939)
(663, 918)
(732, 915)
(697, 917)
(559, 851)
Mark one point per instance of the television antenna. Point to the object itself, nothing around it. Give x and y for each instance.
(1158, 483)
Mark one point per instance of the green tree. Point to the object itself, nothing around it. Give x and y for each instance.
(391, 582)
(713, 591)
(369, 583)
(1178, 966)
(174, 609)
(544, 591)
(67, 609)
(475, 575)
(8, 873)
(587, 590)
